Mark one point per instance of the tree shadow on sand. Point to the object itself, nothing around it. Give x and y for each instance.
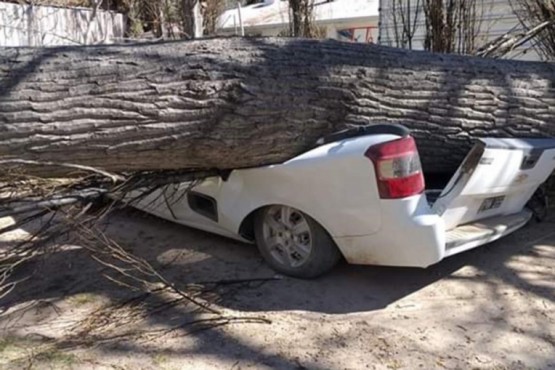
(228, 274)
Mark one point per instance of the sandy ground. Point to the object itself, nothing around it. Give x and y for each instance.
(490, 308)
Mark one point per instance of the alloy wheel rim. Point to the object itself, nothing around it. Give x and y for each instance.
(287, 236)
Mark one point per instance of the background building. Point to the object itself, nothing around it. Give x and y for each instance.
(351, 20)
(380, 21)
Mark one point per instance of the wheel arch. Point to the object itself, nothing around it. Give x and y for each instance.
(246, 227)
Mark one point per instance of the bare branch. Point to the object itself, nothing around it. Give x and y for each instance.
(113, 177)
(510, 41)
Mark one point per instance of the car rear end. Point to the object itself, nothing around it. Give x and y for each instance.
(484, 201)
(410, 234)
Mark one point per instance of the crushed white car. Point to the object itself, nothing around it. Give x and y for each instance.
(361, 195)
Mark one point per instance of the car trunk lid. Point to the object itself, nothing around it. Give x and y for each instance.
(497, 178)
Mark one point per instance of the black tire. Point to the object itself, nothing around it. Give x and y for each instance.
(324, 254)
(539, 204)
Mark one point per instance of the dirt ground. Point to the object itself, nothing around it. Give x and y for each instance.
(490, 308)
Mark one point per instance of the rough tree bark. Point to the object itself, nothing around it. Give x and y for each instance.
(232, 103)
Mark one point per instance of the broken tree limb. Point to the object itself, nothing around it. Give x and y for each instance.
(511, 40)
(41, 164)
(54, 202)
(239, 102)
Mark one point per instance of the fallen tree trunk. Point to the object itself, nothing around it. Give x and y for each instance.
(142, 116)
(239, 102)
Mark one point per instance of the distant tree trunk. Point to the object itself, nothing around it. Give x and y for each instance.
(231, 103)
(191, 18)
(296, 17)
(302, 19)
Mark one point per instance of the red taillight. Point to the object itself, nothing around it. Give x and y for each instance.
(398, 168)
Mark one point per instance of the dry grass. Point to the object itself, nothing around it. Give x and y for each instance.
(16, 352)
(83, 299)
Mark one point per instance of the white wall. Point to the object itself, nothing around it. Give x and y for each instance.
(26, 25)
(497, 17)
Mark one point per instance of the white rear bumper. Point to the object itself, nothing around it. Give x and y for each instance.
(412, 236)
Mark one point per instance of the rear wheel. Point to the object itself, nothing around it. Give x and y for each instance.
(293, 243)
